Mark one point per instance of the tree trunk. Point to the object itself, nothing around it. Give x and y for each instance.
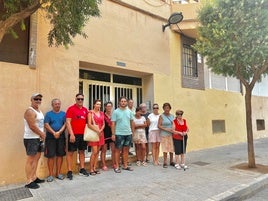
(251, 154)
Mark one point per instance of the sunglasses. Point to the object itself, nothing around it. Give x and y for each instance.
(80, 99)
(38, 99)
(178, 113)
(155, 108)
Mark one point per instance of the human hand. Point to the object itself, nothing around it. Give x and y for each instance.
(57, 135)
(72, 138)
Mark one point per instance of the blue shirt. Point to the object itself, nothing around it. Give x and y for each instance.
(55, 121)
(122, 118)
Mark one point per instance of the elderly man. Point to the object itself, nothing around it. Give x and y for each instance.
(34, 137)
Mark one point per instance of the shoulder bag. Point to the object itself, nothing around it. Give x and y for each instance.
(91, 135)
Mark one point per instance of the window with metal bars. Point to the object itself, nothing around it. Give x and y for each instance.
(189, 61)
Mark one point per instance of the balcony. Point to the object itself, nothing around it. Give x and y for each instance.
(189, 10)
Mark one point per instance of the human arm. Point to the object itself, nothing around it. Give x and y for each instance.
(113, 130)
(30, 116)
(91, 124)
(70, 130)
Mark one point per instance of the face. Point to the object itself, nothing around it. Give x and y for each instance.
(97, 105)
(56, 104)
(155, 108)
(166, 109)
(79, 100)
(143, 108)
(36, 101)
(123, 102)
(108, 107)
(179, 115)
(130, 103)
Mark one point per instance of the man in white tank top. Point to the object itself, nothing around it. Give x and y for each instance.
(34, 137)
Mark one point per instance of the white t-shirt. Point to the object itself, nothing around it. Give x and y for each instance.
(153, 122)
(139, 121)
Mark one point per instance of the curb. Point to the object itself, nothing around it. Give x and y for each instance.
(242, 191)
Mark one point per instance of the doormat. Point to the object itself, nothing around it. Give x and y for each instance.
(15, 194)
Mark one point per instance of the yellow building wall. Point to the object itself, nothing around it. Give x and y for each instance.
(120, 34)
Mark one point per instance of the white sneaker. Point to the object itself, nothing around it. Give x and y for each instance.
(144, 163)
(184, 166)
(177, 166)
(138, 163)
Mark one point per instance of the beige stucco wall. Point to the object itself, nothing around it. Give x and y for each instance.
(124, 35)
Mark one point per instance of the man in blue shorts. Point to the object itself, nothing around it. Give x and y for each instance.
(55, 139)
(122, 129)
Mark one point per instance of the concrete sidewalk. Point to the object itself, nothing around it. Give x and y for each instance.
(209, 177)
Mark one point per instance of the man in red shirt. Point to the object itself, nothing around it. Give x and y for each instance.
(76, 119)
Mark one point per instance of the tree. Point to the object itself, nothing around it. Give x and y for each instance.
(67, 17)
(233, 37)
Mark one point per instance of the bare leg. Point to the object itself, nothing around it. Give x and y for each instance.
(35, 164)
(117, 157)
(165, 157)
(59, 160)
(29, 167)
(103, 155)
(70, 160)
(125, 156)
(143, 151)
(112, 147)
(82, 158)
(50, 165)
(157, 152)
(171, 157)
(94, 153)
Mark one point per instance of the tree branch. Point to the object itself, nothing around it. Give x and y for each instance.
(5, 25)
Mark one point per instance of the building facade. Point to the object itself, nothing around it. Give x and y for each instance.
(126, 53)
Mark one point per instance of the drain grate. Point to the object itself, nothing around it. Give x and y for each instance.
(15, 194)
(201, 163)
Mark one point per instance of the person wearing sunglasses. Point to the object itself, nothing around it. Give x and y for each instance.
(154, 133)
(76, 119)
(33, 138)
(180, 130)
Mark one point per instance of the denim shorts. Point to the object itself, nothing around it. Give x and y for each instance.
(123, 141)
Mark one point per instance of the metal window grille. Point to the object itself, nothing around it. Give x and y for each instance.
(189, 61)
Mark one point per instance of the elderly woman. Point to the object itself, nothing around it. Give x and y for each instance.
(165, 124)
(180, 130)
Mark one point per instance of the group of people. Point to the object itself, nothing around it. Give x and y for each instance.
(117, 129)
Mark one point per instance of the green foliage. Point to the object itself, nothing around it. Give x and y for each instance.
(67, 17)
(234, 37)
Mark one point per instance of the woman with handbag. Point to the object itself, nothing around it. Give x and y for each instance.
(96, 123)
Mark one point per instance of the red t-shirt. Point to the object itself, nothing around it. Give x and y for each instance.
(78, 118)
(180, 128)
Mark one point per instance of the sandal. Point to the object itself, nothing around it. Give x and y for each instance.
(92, 173)
(97, 172)
(117, 170)
(128, 168)
(104, 168)
(164, 165)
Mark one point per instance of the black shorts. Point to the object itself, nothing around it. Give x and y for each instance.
(79, 143)
(55, 147)
(33, 146)
(178, 146)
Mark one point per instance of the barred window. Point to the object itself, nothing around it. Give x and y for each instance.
(189, 61)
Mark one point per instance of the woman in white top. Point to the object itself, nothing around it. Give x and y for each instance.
(139, 137)
(154, 133)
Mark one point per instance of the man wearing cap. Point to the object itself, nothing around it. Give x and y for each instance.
(34, 137)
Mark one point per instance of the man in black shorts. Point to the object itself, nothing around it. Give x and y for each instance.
(55, 139)
(33, 138)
